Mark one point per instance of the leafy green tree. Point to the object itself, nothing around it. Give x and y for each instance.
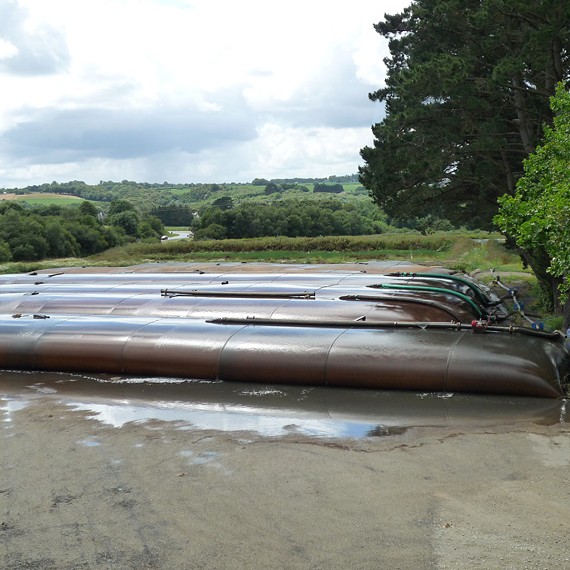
(87, 208)
(224, 203)
(24, 252)
(242, 223)
(272, 188)
(173, 214)
(295, 225)
(10, 206)
(151, 227)
(212, 231)
(326, 216)
(330, 188)
(145, 230)
(537, 217)
(156, 224)
(128, 220)
(61, 242)
(466, 98)
(90, 238)
(119, 206)
(5, 253)
(210, 216)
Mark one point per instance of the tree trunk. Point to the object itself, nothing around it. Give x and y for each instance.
(522, 114)
(508, 173)
(566, 313)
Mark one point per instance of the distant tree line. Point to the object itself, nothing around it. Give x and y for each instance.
(318, 187)
(175, 204)
(346, 179)
(140, 211)
(35, 233)
(330, 188)
(292, 218)
(159, 194)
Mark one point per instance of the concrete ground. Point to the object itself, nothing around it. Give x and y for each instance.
(78, 491)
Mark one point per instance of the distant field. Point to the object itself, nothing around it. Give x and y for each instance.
(240, 193)
(41, 198)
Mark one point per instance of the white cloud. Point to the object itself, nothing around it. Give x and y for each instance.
(203, 90)
(287, 151)
(7, 49)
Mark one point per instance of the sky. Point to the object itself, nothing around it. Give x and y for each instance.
(187, 91)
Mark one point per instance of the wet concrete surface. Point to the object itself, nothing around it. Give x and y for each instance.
(269, 409)
(115, 472)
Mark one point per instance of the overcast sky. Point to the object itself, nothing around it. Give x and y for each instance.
(187, 90)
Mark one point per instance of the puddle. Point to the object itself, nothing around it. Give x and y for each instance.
(222, 418)
(9, 405)
(268, 410)
(88, 442)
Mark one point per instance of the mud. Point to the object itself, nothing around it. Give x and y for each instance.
(107, 472)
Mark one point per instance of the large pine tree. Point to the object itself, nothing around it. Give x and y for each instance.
(467, 96)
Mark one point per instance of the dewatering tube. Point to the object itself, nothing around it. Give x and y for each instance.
(426, 357)
(380, 307)
(408, 337)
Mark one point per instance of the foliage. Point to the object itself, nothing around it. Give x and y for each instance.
(120, 206)
(439, 248)
(35, 233)
(466, 97)
(294, 209)
(429, 224)
(127, 220)
(330, 188)
(224, 203)
(537, 216)
(272, 188)
(173, 215)
(401, 244)
(327, 217)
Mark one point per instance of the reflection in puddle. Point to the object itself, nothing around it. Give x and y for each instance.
(240, 418)
(10, 405)
(266, 409)
(89, 442)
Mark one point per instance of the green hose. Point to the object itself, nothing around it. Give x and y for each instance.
(478, 293)
(476, 309)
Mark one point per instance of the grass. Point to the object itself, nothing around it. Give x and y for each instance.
(62, 201)
(456, 250)
(42, 199)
